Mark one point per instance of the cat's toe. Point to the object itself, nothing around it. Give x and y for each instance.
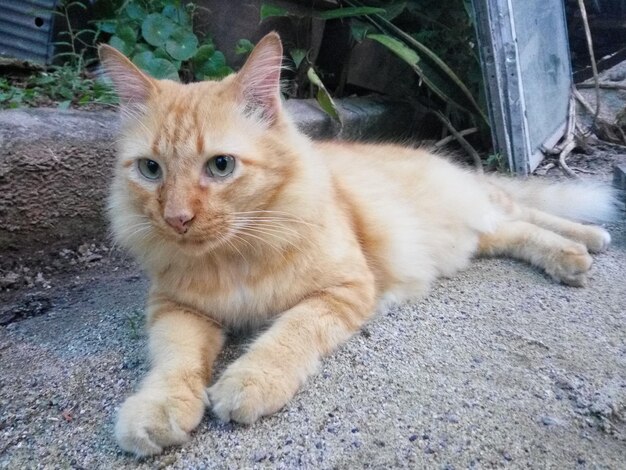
(236, 399)
(147, 424)
(245, 394)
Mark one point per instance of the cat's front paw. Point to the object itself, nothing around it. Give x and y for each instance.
(245, 393)
(148, 422)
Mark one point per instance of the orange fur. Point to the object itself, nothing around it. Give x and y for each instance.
(310, 236)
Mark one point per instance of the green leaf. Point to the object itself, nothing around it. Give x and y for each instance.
(156, 29)
(64, 104)
(214, 66)
(176, 14)
(182, 44)
(359, 29)
(243, 46)
(107, 26)
(156, 66)
(323, 97)
(141, 47)
(84, 99)
(203, 54)
(297, 55)
(161, 53)
(126, 34)
(397, 47)
(272, 10)
(393, 9)
(348, 12)
(120, 45)
(436, 67)
(219, 73)
(135, 11)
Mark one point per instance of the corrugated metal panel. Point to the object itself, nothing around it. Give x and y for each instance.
(26, 29)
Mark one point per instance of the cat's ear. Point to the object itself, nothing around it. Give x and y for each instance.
(258, 81)
(132, 85)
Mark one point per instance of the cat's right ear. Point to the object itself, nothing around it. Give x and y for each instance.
(132, 85)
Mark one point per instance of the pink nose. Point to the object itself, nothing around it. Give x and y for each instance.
(180, 222)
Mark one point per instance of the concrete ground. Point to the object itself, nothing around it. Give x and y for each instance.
(499, 366)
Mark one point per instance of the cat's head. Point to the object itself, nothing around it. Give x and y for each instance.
(201, 165)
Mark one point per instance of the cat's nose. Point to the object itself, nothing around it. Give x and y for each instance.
(180, 221)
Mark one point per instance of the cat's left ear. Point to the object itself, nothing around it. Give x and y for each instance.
(258, 81)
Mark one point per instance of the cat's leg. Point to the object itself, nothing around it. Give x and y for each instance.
(595, 238)
(264, 379)
(171, 400)
(563, 259)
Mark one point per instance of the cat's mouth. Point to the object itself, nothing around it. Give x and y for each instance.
(198, 240)
(199, 244)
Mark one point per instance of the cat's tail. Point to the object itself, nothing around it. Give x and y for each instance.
(583, 201)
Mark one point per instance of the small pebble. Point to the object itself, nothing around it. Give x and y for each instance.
(549, 421)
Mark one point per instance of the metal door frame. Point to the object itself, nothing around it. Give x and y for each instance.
(504, 86)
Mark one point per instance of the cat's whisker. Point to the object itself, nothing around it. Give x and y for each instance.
(233, 246)
(139, 235)
(279, 219)
(271, 234)
(267, 222)
(141, 226)
(239, 238)
(235, 238)
(274, 247)
(279, 228)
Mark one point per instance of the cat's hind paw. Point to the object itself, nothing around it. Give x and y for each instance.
(146, 424)
(571, 265)
(596, 239)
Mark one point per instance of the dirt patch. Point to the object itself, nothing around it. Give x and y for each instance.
(596, 162)
(30, 285)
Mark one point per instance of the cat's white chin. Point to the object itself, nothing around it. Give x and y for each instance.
(197, 246)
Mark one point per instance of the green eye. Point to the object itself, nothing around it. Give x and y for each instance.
(149, 168)
(220, 166)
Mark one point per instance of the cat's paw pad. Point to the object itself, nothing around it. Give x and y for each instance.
(571, 265)
(597, 239)
(245, 394)
(146, 424)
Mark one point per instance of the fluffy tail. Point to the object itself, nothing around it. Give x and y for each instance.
(577, 200)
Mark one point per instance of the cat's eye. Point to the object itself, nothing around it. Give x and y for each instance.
(149, 168)
(220, 166)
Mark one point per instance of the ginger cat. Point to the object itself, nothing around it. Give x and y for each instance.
(240, 220)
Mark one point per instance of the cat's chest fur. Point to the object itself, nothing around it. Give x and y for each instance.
(234, 292)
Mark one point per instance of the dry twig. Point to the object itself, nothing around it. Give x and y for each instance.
(568, 141)
(450, 138)
(592, 57)
(461, 140)
(603, 85)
